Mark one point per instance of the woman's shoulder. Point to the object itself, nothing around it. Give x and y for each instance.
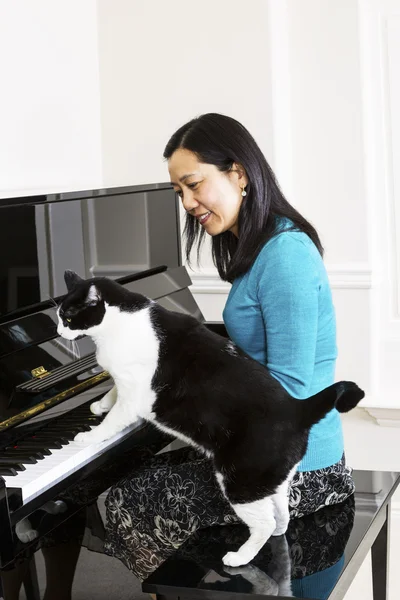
(290, 246)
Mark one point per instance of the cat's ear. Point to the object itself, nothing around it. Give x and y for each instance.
(93, 296)
(71, 279)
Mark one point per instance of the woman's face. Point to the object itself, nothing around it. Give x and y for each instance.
(213, 197)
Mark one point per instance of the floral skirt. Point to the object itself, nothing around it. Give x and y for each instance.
(166, 498)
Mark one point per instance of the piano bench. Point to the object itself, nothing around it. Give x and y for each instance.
(318, 557)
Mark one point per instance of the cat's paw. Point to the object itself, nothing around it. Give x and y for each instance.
(24, 531)
(96, 408)
(235, 559)
(89, 437)
(27, 536)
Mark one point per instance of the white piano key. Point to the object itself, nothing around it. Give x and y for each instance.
(44, 474)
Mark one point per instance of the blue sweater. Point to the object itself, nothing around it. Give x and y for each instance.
(281, 314)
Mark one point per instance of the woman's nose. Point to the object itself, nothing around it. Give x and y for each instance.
(189, 202)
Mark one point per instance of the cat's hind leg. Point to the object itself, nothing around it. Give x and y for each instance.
(281, 513)
(259, 517)
(281, 504)
(106, 403)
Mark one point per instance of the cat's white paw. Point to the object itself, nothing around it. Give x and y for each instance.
(234, 559)
(28, 536)
(87, 437)
(24, 531)
(96, 408)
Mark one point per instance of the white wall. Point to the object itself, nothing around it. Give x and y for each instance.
(380, 57)
(49, 101)
(162, 63)
(328, 165)
(318, 129)
(278, 70)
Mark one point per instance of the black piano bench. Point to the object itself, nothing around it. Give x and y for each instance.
(317, 558)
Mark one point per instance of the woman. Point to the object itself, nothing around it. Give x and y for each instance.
(279, 311)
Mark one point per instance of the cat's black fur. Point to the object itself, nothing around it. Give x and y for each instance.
(214, 394)
(230, 405)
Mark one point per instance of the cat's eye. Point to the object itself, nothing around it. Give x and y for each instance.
(68, 320)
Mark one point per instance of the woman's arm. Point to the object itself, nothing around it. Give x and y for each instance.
(288, 286)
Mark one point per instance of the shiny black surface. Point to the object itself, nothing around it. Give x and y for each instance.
(41, 236)
(31, 443)
(306, 563)
(129, 233)
(78, 489)
(32, 341)
(82, 194)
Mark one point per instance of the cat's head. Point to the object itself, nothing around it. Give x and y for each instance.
(82, 310)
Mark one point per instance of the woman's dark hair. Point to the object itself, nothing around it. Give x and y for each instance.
(221, 141)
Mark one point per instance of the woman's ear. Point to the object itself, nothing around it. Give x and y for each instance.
(240, 173)
(71, 279)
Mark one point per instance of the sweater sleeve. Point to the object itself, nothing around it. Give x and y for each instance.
(287, 290)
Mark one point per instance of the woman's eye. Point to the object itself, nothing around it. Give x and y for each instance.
(193, 185)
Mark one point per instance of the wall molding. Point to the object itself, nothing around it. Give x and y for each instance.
(341, 276)
(116, 270)
(207, 281)
(395, 509)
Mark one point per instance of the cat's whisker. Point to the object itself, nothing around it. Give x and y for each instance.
(76, 349)
(73, 348)
(52, 300)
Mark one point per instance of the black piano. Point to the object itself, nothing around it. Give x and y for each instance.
(131, 234)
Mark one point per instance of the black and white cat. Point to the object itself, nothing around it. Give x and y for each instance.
(169, 369)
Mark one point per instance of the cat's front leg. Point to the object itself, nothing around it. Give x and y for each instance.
(120, 416)
(106, 403)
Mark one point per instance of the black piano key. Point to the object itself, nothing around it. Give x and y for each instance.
(26, 459)
(63, 437)
(76, 422)
(13, 462)
(42, 448)
(8, 471)
(70, 428)
(36, 454)
(49, 442)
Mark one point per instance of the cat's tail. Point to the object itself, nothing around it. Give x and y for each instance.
(343, 396)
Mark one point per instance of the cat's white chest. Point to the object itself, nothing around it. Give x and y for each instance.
(128, 346)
